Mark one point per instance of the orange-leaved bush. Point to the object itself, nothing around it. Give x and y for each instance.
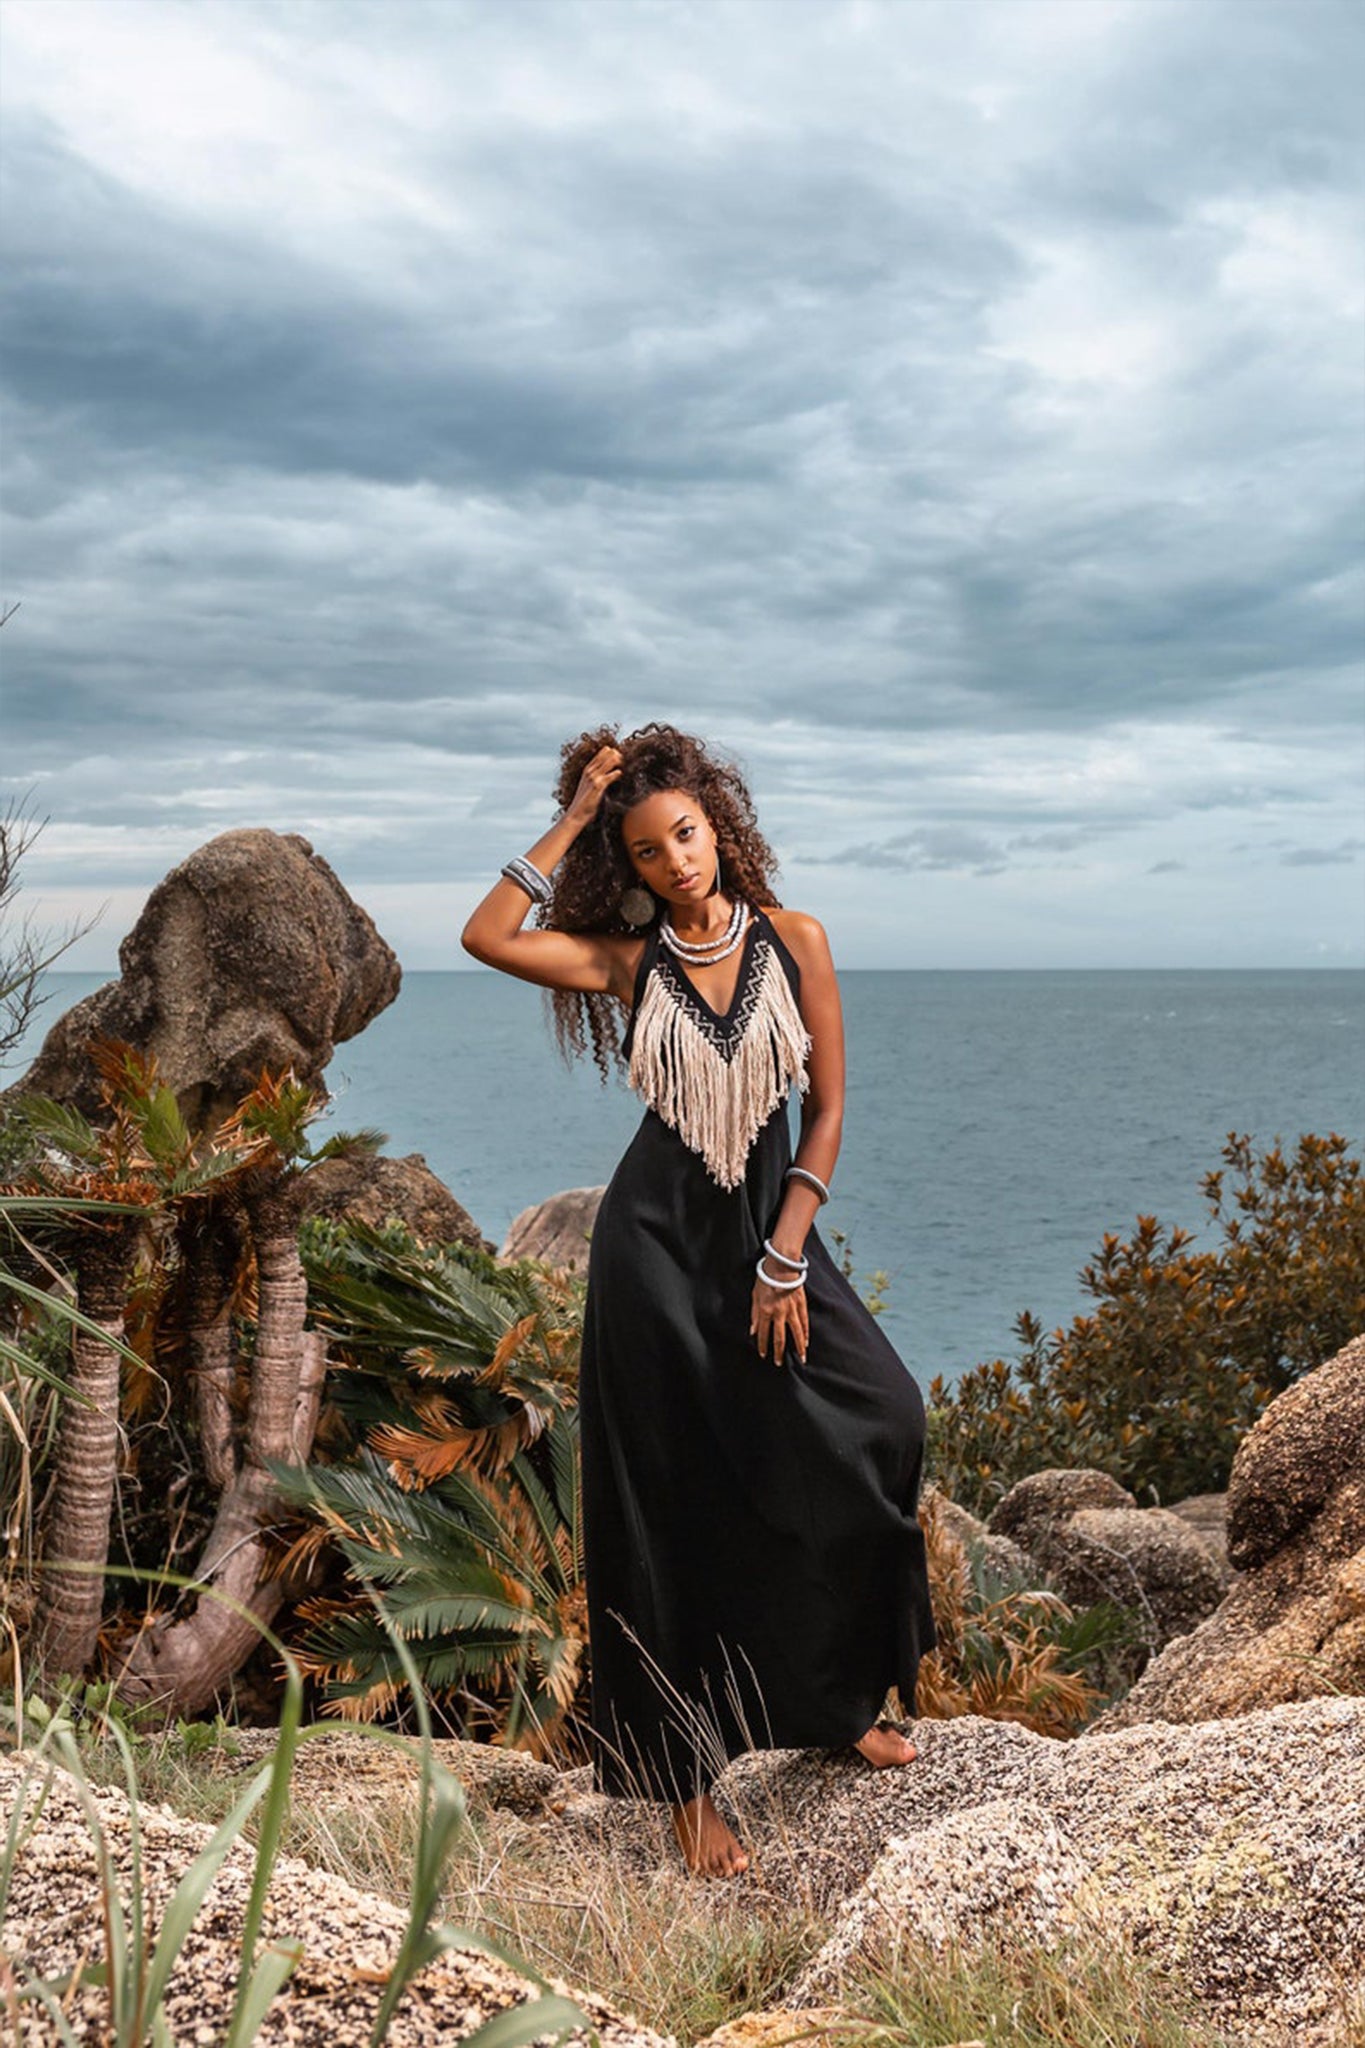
(1159, 1383)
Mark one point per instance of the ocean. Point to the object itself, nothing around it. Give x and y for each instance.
(997, 1123)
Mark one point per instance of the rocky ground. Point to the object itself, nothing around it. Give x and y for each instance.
(52, 1923)
(1231, 1853)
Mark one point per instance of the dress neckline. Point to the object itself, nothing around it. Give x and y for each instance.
(746, 949)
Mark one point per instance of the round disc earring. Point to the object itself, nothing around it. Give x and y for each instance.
(637, 906)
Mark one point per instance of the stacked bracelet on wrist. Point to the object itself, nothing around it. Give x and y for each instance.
(804, 1173)
(798, 1266)
(528, 877)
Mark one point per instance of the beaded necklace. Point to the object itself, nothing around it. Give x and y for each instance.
(716, 1078)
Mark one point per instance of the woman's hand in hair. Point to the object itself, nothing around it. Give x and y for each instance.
(596, 778)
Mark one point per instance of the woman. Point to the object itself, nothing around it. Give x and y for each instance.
(751, 1443)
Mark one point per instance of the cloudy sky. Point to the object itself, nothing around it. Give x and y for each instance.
(954, 411)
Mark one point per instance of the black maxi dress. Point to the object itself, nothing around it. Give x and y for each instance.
(755, 1569)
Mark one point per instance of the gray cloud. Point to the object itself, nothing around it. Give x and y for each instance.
(949, 409)
(1322, 856)
(960, 848)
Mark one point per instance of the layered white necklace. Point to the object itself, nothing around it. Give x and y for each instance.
(716, 1080)
(705, 951)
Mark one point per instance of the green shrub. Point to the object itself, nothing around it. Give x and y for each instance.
(448, 1475)
(1158, 1385)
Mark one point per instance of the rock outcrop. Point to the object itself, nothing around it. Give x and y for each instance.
(250, 954)
(1229, 1856)
(350, 1938)
(1206, 1514)
(1224, 1854)
(1293, 1624)
(556, 1230)
(1093, 1542)
(380, 1190)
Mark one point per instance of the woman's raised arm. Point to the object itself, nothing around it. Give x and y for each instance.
(592, 961)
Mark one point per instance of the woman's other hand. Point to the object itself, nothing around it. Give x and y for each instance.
(781, 1316)
(599, 774)
(595, 962)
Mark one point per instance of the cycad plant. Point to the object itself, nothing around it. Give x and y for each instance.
(257, 1414)
(452, 1493)
(205, 1222)
(1006, 1650)
(100, 1199)
(39, 1322)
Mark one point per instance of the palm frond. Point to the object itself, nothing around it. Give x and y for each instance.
(56, 1124)
(359, 1144)
(474, 1570)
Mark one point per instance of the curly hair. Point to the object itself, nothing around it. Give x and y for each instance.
(595, 872)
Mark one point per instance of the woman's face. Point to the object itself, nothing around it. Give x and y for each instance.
(671, 845)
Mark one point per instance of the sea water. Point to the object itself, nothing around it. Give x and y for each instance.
(996, 1123)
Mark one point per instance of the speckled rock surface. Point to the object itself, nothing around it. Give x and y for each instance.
(349, 1937)
(556, 1230)
(249, 953)
(377, 1189)
(1231, 1853)
(1306, 1449)
(1207, 1515)
(1293, 1623)
(1092, 1541)
(1031, 1508)
(340, 1763)
(1145, 1558)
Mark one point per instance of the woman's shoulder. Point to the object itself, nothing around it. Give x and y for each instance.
(803, 935)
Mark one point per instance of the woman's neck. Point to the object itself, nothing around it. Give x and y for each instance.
(701, 925)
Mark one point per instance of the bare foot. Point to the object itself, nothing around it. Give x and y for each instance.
(708, 1846)
(883, 1745)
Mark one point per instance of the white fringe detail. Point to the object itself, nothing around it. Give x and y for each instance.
(717, 1103)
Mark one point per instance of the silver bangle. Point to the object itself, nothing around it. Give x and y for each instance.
(782, 1286)
(804, 1173)
(797, 1265)
(527, 876)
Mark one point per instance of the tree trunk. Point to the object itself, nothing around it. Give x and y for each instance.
(76, 1532)
(182, 1664)
(212, 1246)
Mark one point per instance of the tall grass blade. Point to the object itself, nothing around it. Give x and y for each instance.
(254, 1974)
(189, 1894)
(271, 1971)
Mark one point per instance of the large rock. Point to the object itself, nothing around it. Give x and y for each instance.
(1143, 1558)
(1034, 1506)
(1292, 1626)
(1224, 1854)
(350, 1938)
(1227, 1853)
(250, 954)
(378, 1190)
(556, 1230)
(1300, 1470)
(1093, 1542)
(1231, 1854)
(1206, 1514)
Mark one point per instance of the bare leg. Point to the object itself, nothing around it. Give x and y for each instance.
(709, 1848)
